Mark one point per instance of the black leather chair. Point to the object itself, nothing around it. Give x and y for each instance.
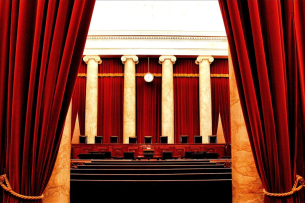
(167, 155)
(163, 139)
(184, 138)
(197, 139)
(147, 139)
(98, 156)
(132, 140)
(199, 155)
(98, 139)
(107, 155)
(212, 155)
(188, 155)
(213, 139)
(128, 155)
(83, 139)
(84, 156)
(113, 139)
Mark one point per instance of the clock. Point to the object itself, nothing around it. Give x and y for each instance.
(148, 77)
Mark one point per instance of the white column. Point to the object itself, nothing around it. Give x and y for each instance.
(168, 97)
(58, 188)
(91, 97)
(129, 112)
(205, 103)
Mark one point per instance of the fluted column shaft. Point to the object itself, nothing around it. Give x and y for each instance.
(58, 188)
(168, 97)
(129, 112)
(205, 103)
(246, 183)
(91, 97)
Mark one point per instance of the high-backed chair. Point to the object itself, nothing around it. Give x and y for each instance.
(113, 139)
(184, 138)
(197, 139)
(83, 139)
(167, 155)
(132, 140)
(147, 139)
(212, 139)
(98, 139)
(163, 139)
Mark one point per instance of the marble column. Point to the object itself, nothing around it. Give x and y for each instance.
(129, 112)
(246, 183)
(205, 103)
(91, 97)
(168, 97)
(58, 188)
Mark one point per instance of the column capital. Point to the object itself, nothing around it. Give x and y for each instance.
(172, 58)
(96, 58)
(133, 57)
(201, 58)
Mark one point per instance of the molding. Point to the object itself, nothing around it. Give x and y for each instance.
(133, 57)
(156, 37)
(219, 75)
(201, 58)
(96, 58)
(162, 59)
(178, 75)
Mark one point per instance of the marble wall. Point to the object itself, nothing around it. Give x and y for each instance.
(58, 188)
(247, 186)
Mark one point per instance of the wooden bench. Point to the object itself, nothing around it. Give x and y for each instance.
(149, 163)
(152, 171)
(148, 166)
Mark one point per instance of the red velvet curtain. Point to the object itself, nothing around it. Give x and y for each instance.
(186, 100)
(79, 100)
(148, 101)
(110, 100)
(266, 41)
(221, 98)
(41, 45)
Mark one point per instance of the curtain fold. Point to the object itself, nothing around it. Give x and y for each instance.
(148, 101)
(266, 41)
(110, 100)
(79, 100)
(41, 43)
(221, 98)
(186, 100)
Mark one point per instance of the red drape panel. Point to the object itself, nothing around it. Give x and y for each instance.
(221, 98)
(79, 100)
(148, 101)
(266, 42)
(110, 100)
(41, 45)
(186, 100)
